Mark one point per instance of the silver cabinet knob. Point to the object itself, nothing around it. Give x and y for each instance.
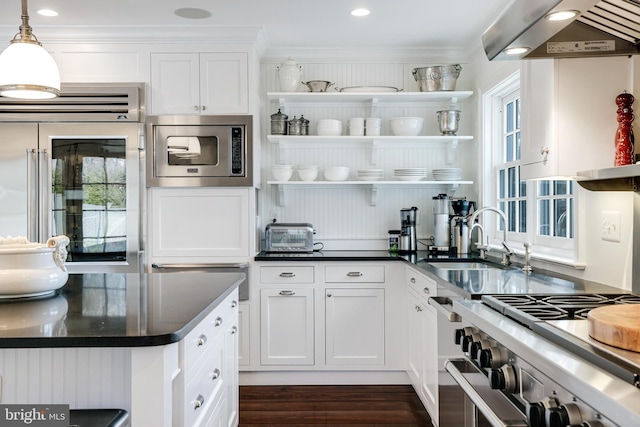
(218, 321)
(426, 290)
(201, 340)
(412, 280)
(234, 304)
(198, 402)
(544, 150)
(233, 330)
(418, 308)
(287, 293)
(215, 374)
(204, 107)
(195, 108)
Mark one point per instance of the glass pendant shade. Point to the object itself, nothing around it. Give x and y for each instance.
(27, 70)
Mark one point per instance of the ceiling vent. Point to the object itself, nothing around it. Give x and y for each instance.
(80, 102)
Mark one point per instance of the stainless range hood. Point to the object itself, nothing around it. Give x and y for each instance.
(601, 28)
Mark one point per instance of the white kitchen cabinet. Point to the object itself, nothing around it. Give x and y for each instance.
(199, 83)
(565, 128)
(287, 329)
(200, 224)
(244, 334)
(354, 326)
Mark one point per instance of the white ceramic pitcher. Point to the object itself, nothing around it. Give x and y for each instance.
(290, 75)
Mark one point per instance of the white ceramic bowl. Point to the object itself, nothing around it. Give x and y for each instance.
(308, 172)
(406, 126)
(282, 174)
(329, 127)
(336, 173)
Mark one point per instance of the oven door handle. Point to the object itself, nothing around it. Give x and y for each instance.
(441, 304)
(212, 265)
(493, 418)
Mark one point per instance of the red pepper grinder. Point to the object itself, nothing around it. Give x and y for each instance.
(624, 134)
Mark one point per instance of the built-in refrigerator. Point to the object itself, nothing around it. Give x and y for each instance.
(80, 179)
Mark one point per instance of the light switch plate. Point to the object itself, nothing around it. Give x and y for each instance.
(611, 226)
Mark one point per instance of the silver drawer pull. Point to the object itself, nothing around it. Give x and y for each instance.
(426, 290)
(287, 293)
(287, 274)
(412, 280)
(201, 340)
(233, 330)
(354, 274)
(215, 374)
(198, 402)
(218, 321)
(234, 304)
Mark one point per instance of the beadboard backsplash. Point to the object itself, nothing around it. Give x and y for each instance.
(354, 216)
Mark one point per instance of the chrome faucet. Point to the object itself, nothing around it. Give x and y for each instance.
(481, 246)
(506, 254)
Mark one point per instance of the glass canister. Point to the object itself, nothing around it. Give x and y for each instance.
(394, 240)
(304, 126)
(279, 123)
(295, 126)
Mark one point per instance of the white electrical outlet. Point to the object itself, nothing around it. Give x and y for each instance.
(611, 226)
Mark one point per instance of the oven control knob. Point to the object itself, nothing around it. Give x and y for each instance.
(493, 357)
(503, 378)
(477, 346)
(460, 333)
(468, 339)
(563, 415)
(536, 411)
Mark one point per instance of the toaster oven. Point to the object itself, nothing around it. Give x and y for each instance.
(289, 237)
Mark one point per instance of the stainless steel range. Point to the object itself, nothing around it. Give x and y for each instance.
(533, 354)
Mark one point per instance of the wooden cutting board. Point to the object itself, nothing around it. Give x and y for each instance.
(616, 325)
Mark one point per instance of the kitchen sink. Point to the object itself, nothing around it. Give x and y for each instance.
(464, 265)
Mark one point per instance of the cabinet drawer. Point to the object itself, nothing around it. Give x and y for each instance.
(201, 338)
(286, 274)
(354, 273)
(205, 384)
(424, 286)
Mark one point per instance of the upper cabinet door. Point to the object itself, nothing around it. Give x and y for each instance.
(175, 83)
(192, 83)
(224, 83)
(569, 118)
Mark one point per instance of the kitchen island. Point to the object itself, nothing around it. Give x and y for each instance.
(140, 342)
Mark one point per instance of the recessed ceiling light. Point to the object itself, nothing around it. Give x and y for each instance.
(47, 12)
(360, 12)
(516, 50)
(562, 15)
(192, 13)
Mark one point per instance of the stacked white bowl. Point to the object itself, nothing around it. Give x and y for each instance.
(447, 174)
(329, 127)
(282, 172)
(336, 173)
(308, 172)
(410, 174)
(369, 174)
(406, 126)
(356, 126)
(372, 126)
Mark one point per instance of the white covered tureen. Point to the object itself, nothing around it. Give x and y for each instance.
(31, 269)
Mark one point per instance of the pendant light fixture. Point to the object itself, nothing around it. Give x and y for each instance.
(26, 69)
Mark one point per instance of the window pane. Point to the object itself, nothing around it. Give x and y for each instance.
(501, 205)
(518, 150)
(502, 183)
(510, 119)
(512, 182)
(517, 113)
(509, 147)
(560, 217)
(544, 227)
(570, 216)
(559, 187)
(512, 216)
(543, 188)
(523, 216)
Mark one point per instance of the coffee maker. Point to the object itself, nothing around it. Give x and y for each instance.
(442, 229)
(408, 238)
(460, 225)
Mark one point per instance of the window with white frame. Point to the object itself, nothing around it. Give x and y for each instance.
(538, 212)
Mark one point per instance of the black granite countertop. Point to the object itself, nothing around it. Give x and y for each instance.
(466, 283)
(115, 310)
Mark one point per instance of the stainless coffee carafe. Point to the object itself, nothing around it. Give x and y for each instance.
(442, 230)
(408, 238)
(460, 225)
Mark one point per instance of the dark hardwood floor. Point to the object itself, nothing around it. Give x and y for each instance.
(345, 405)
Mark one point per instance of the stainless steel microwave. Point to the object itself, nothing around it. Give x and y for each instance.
(199, 151)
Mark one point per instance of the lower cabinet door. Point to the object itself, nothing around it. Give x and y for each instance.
(287, 326)
(429, 326)
(354, 326)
